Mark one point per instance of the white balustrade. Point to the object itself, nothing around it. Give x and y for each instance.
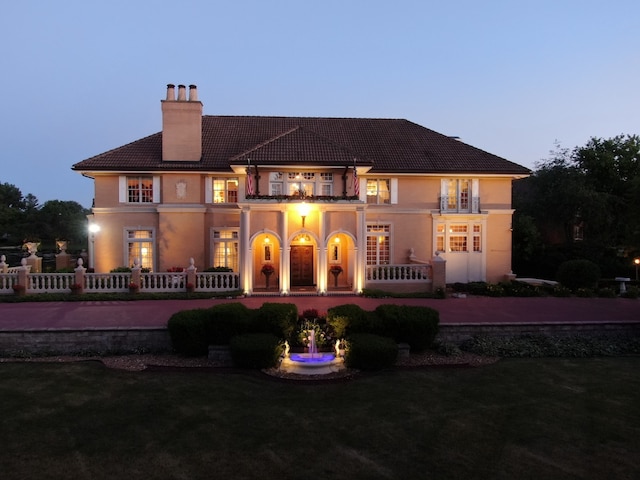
(163, 282)
(398, 273)
(7, 281)
(50, 282)
(107, 282)
(217, 282)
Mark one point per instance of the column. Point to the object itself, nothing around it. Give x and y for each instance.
(285, 254)
(246, 260)
(322, 253)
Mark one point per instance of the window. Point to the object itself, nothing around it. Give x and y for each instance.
(225, 190)
(140, 246)
(139, 189)
(459, 195)
(458, 237)
(477, 238)
(378, 244)
(225, 249)
(378, 191)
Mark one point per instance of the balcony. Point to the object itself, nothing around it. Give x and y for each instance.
(450, 204)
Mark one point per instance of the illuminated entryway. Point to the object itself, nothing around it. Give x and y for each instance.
(301, 261)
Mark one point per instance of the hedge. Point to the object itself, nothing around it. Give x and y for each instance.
(371, 352)
(255, 350)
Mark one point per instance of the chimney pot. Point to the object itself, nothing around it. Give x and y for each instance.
(193, 93)
(171, 92)
(182, 93)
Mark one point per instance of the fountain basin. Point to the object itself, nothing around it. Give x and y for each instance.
(312, 363)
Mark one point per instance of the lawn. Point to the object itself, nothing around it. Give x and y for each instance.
(517, 419)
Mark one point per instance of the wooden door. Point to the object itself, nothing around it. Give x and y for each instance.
(301, 265)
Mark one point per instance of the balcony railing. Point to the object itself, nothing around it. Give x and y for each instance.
(457, 205)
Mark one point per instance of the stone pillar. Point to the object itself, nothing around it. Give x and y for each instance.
(63, 259)
(32, 259)
(79, 275)
(23, 274)
(135, 274)
(439, 273)
(191, 274)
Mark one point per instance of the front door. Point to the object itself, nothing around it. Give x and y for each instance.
(301, 265)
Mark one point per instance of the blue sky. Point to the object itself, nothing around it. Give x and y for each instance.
(509, 77)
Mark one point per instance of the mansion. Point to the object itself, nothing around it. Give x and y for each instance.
(301, 203)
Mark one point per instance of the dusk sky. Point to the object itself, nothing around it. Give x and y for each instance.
(509, 77)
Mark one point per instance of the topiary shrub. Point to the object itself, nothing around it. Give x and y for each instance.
(227, 320)
(370, 352)
(576, 274)
(188, 332)
(279, 319)
(417, 326)
(255, 350)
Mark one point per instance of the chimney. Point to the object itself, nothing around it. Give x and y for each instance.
(181, 125)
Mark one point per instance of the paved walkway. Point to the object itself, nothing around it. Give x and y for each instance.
(470, 310)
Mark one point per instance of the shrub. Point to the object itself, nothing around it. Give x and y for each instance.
(414, 325)
(255, 350)
(219, 269)
(279, 319)
(353, 318)
(121, 270)
(227, 320)
(188, 332)
(632, 292)
(371, 352)
(575, 274)
(561, 291)
(338, 325)
(607, 293)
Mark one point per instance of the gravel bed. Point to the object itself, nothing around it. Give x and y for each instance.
(143, 361)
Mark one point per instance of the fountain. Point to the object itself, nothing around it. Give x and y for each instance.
(313, 362)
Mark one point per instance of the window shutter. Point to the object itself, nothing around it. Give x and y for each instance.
(208, 190)
(156, 189)
(122, 189)
(394, 191)
(363, 189)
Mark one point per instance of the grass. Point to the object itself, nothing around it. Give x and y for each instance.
(519, 418)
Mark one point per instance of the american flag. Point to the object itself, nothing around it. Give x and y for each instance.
(356, 182)
(249, 180)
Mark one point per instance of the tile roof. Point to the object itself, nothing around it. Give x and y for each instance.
(387, 145)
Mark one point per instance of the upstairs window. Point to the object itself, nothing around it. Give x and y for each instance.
(379, 191)
(225, 190)
(460, 196)
(139, 189)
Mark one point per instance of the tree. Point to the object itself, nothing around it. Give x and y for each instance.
(63, 220)
(11, 213)
(585, 203)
